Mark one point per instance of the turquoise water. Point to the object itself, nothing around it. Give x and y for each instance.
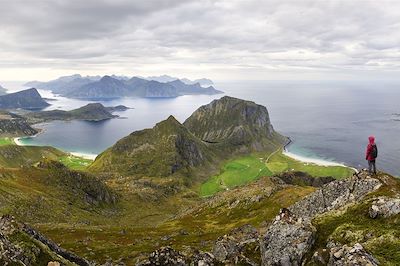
(326, 120)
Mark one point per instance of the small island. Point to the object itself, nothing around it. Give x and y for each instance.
(89, 112)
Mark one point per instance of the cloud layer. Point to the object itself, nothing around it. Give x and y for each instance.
(219, 39)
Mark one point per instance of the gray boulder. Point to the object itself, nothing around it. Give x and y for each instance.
(384, 207)
(287, 240)
(346, 256)
(335, 195)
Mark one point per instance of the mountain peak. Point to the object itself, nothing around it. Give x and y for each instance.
(26, 99)
(235, 124)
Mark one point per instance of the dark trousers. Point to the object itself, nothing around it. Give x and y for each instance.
(372, 166)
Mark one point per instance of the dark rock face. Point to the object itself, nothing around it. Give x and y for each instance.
(92, 190)
(26, 99)
(19, 243)
(304, 179)
(287, 240)
(234, 124)
(162, 151)
(12, 126)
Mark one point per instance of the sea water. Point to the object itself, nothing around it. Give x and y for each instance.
(327, 120)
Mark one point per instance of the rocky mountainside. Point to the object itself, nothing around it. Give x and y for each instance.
(76, 86)
(299, 235)
(26, 99)
(89, 112)
(234, 124)
(12, 125)
(20, 244)
(213, 132)
(162, 151)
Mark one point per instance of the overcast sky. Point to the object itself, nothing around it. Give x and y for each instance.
(221, 40)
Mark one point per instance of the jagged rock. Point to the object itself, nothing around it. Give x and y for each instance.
(384, 207)
(335, 195)
(321, 257)
(202, 259)
(19, 243)
(239, 246)
(355, 255)
(165, 256)
(287, 240)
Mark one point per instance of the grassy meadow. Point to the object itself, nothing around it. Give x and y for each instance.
(243, 170)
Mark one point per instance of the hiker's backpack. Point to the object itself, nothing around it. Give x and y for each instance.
(374, 151)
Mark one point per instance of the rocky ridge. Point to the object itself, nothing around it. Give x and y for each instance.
(26, 99)
(20, 244)
(291, 235)
(12, 125)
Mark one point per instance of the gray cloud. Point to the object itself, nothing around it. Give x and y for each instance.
(200, 37)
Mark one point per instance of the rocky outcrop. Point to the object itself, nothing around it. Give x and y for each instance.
(12, 125)
(291, 235)
(355, 255)
(85, 186)
(384, 207)
(240, 246)
(164, 150)
(335, 195)
(21, 244)
(303, 179)
(287, 240)
(234, 125)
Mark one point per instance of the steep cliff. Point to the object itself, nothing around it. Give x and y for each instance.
(162, 151)
(234, 125)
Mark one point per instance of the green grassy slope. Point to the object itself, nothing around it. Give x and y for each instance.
(246, 169)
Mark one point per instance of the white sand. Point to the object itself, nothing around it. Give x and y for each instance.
(304, 159)
(18, 141)
(88, 156)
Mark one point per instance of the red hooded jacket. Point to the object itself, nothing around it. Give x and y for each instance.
(368, 154)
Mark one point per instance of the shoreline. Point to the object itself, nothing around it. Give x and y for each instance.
(89, 156)
(305, 159)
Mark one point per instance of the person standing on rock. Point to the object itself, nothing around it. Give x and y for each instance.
(371, 154)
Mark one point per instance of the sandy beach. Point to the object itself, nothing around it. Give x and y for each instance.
(84, 155)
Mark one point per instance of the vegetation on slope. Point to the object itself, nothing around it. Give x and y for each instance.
(89, 112)
(246, 169)
(379, 236)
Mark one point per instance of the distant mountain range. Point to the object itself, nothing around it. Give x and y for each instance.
(96, 87)
(26, 99)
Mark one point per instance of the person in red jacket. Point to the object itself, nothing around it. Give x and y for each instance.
(371, 154)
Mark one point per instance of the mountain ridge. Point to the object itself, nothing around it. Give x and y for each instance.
(25, 99)
(76, 86)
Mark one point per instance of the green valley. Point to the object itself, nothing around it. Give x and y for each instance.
(243, 170)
